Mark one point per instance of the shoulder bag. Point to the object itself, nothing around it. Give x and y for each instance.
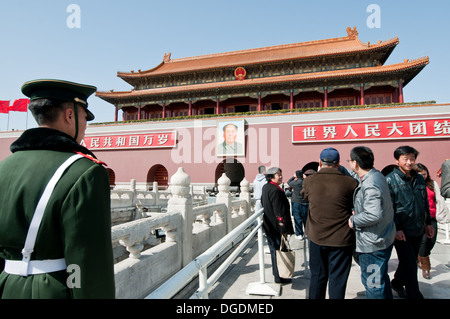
(285, 259)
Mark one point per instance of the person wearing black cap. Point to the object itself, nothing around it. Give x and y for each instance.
(330, 196)
(55, 217)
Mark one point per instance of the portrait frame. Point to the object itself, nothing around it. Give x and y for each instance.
(224, 148)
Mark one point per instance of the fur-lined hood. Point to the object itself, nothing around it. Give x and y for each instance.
(43, 138)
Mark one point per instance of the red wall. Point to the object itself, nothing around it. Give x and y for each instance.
(268, 142)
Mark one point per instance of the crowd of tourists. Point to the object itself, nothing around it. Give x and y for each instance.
(357, 214)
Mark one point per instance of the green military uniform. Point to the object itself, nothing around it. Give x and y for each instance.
(76, 224)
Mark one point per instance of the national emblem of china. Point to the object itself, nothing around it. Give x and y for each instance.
(240, 73)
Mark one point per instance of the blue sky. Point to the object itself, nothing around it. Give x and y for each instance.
(36, 41)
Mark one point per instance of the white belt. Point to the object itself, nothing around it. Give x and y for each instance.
(35, 267)
(26, 266)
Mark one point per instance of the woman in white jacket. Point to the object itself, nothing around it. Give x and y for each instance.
(437, 203)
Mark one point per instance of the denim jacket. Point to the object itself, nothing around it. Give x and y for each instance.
(373, 220)
(410, 202)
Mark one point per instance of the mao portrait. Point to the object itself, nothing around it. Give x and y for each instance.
(230, 138)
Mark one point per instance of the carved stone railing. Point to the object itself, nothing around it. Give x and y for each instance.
(150, 250)
(132, 204)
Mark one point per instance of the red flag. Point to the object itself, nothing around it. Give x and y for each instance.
(20, 105)
(4, 107)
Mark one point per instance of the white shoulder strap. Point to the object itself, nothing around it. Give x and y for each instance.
(39, 212)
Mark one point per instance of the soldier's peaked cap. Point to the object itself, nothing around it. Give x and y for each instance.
(61, 90)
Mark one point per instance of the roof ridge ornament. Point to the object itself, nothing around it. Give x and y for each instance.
(167, 57)
(352, 33)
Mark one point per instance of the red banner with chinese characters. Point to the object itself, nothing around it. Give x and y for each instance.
(138, 141)
(380, 130)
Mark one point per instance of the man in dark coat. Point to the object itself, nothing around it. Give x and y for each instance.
(71, 253)
(330, 197)
(277, 217)
(298, 204)
(412, 220)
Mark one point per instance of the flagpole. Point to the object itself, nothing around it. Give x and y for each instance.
(26, 121)
(7, 125)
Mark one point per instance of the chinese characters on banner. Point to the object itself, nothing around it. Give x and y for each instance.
(341, 132)
(148, 140)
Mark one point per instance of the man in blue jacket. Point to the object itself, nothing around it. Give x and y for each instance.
(412, 219)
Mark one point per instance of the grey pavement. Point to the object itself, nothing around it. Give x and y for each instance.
(244, 275)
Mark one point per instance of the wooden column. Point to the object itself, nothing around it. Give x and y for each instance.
(259, 102)
(116, 115)
(190, 108)
(400, 92)
(291, 101)
(139, 112)
(325, 98)
(362, 95)
(164, 110)
(217, 105)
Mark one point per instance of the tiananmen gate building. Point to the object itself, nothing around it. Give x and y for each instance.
(325, 73)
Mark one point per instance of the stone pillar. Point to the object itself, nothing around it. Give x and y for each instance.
(137, 212)
(133, 190)
(224, 196)
(245, 194)
(155, 190)
(181, 202)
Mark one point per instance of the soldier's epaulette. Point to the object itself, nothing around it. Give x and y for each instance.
(92, 158)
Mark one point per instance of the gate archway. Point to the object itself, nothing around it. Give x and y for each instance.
(158, 173)
(112, 177)
(233, 169)
(311, 165)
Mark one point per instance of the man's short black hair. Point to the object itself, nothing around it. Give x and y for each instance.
(46, 111)
(405, 150)
(363, 156)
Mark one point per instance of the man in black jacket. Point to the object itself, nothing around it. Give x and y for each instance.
(299, 206)
(412, 219)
